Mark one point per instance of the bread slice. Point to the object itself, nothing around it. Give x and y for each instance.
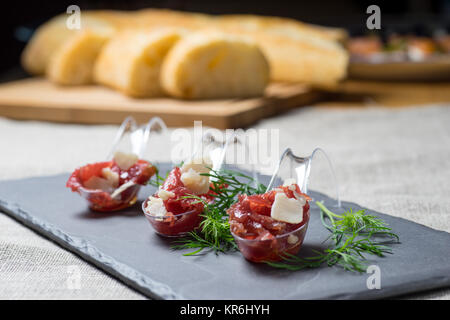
(304, 58)
(147, 18)
(214, 65)
(73, 62)
(296, 51)
(132, 60)
(49, 37)
(280, 26)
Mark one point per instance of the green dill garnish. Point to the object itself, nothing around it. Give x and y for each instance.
(354, 234)
(214, 231)
(159, 180)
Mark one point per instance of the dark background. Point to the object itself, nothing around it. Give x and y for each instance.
(20, 18)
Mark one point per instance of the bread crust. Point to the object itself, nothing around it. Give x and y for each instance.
(132, 60)
(49, 37)
(296, 51)
(73, 61)
(304, 59)
(280, 26)
(214, 65)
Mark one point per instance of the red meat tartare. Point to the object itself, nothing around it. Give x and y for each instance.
(267, 225)
(172, 210)
(111, 185)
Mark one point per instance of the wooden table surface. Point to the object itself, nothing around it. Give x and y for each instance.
(36, 99)
(358, 93)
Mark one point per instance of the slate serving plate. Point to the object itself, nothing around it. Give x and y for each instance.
(124, 245)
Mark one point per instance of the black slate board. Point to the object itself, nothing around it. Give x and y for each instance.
(124, 245)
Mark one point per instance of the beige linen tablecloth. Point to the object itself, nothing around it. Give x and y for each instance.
(395, 161)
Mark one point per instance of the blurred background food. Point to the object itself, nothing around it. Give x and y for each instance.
(417, 17)
(295, 51)
(265, 50)
(213, 65)
(131, 61)
(400, 55)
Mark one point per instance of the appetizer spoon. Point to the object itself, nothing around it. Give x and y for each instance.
(174, 222)
(218, 151)
(169, 224)
(106, 193)
(299, 168)
(138, 136)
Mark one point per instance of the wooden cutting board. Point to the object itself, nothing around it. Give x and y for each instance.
(38, 99)
(393, 94)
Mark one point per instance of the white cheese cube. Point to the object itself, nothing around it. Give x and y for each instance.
(125, 160)
(190, 175)
(122, 188)
(155, 207)
(97, 183)
(164, 194)
(301, 199)
(292, 239)
(285, 209)
(195, 182)
(111, 176)
(200, 165)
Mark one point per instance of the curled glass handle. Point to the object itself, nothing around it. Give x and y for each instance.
(217, 150)
(299, 168)
(128, 125)
(236, 140)
(213, 148)
(138, 135)
(155, 125)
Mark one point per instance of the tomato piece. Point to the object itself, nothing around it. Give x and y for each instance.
(181, 202)
(269, 196)
(173, 180)
(141, 172)
(259, 205)
(100, 200)
(261, 238)
(93, 169)
(183, 208)
(253, 214)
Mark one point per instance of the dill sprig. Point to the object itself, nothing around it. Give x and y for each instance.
(354, 235)
(214, 230)
(159, 180)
